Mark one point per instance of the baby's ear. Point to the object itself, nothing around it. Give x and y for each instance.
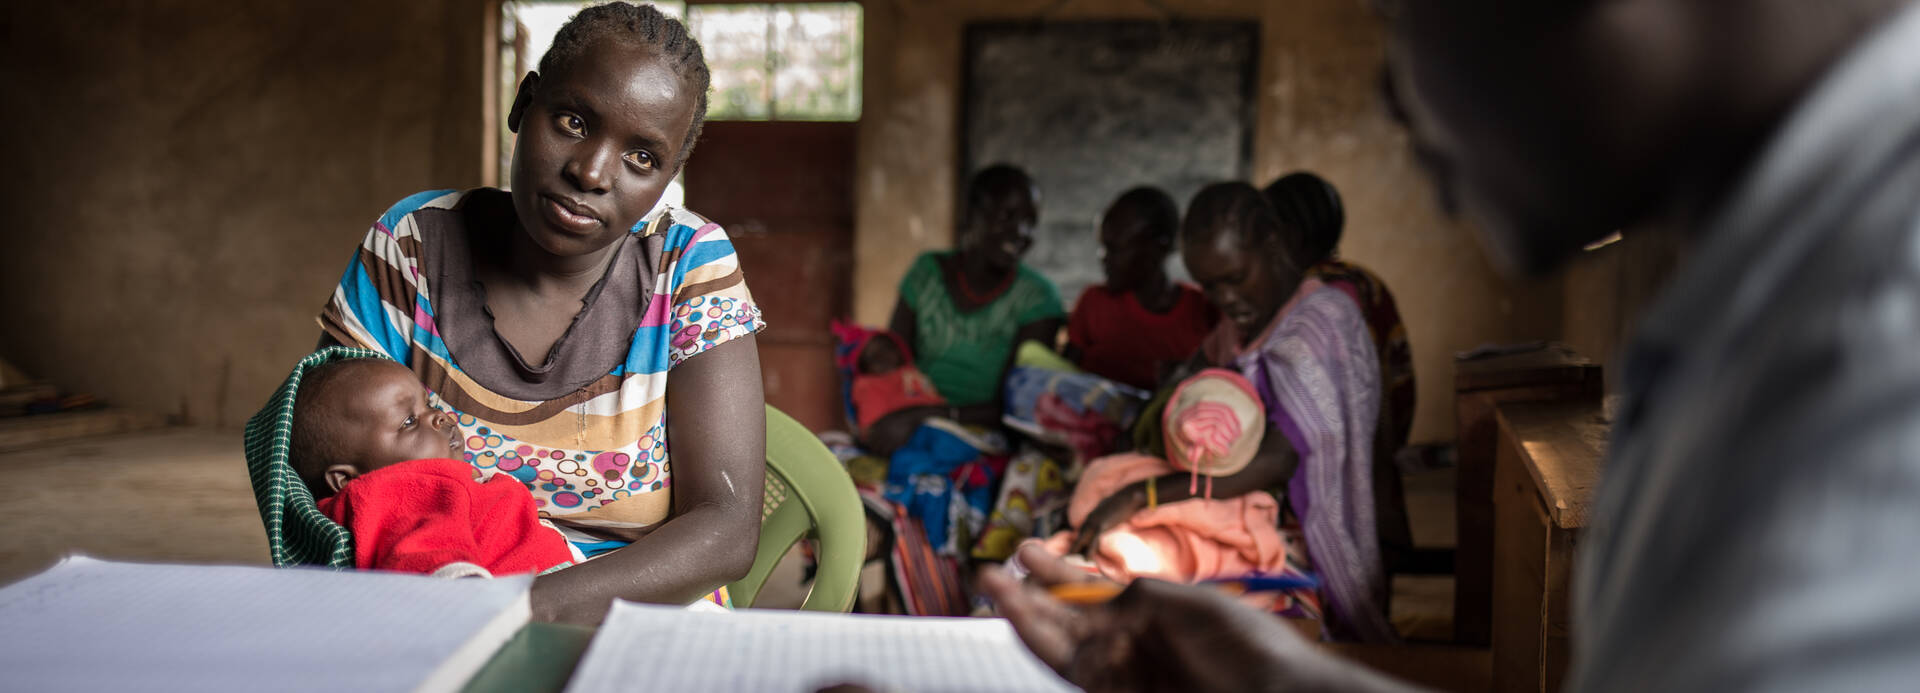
(522, 99)
(338, 475)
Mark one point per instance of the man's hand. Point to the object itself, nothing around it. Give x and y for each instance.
(1161, 636)
(1050, 628)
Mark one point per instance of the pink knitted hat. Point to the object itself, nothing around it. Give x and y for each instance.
(1213, 425)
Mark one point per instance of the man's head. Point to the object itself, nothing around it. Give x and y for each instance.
(354, 416)
(1543, 119)
(1556, 123)
(1136, 235)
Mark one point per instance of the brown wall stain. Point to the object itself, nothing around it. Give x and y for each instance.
(1317, 110)
(188, 180)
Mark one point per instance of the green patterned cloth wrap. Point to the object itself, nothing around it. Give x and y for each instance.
(297, 532)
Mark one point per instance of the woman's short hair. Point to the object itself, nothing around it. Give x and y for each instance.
(644, 25)
(1156, 208)
(994, 180)
(1309, 205)
(1238, 207)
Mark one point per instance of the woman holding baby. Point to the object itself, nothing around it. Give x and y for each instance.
(601, 354)
(1303, 352)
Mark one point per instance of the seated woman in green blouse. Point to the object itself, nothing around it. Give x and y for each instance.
(963, 311)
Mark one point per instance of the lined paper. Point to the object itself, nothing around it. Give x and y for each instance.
(87, 624)
(671, 649)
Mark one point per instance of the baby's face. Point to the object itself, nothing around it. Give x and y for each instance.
(387, 419)
(881, 355)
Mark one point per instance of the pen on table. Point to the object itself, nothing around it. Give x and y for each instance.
(1100, 592)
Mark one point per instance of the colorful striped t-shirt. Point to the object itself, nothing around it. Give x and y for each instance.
(585, 430)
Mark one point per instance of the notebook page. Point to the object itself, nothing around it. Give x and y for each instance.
(99, 625)
(672, 649)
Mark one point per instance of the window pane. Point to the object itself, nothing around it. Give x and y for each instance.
(817, 62)
(734, 38)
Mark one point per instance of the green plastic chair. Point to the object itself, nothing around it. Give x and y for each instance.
(808, 494)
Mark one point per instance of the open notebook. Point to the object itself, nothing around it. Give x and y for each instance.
(672, 649)
(88, 624)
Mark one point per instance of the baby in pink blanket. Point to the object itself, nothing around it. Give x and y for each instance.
(1214, 425)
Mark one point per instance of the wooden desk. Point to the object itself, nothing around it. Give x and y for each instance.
(1550, 373)
(1546, 469)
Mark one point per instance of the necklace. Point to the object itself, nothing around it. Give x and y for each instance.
(975, 299)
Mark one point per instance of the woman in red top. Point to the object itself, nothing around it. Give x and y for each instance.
(1139, 321)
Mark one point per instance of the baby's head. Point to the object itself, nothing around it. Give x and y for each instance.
(353, 416)
(882, 353)
(1214, 423)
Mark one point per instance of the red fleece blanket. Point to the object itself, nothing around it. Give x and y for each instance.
(423, 515)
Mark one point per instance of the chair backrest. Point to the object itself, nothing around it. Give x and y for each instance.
(808, 492)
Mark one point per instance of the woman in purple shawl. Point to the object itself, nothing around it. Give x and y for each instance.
(1306, 348)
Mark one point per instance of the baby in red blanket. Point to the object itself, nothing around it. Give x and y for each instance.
(376, 455)
(885, 380)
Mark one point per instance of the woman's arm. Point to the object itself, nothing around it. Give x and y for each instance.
(1273, 465)
(1045, 331)
(1175, 371)
(1078, 331)
(904, 325)
(716, 423)
(894, 429)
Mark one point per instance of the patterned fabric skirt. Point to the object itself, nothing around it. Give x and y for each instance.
(941, 507)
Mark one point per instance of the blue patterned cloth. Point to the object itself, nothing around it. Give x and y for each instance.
(944, 476)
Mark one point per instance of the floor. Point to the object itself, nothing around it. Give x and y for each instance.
(1423, 604)
(177, 494)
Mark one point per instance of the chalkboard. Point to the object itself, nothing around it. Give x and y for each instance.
(1090, 109)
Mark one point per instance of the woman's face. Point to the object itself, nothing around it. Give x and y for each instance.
(1130, 254)
(597, 145)
(1000, 230)
(1247, 281)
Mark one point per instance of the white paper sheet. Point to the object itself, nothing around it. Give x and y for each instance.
(670, 649)
(92, 625)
